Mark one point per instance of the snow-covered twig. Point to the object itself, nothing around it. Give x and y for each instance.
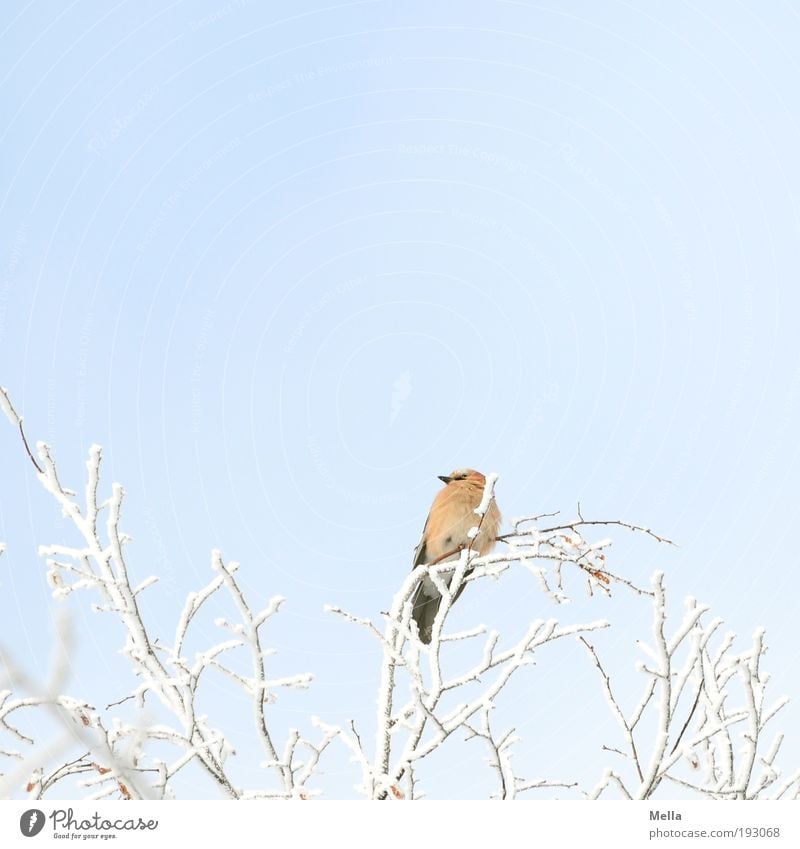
(425, 720)
(684, 729)
(81, 725)
(692, 720)
(565, 544)
(99, 564)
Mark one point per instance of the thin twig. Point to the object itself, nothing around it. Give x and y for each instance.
(688, 718)
(28, 448)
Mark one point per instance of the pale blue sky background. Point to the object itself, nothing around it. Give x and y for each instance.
(287, 263)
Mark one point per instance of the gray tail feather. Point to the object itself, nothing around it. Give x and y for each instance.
(426, 606)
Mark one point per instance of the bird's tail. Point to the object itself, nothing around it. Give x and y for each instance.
(425, 607)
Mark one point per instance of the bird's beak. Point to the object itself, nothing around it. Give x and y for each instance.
(444, 478)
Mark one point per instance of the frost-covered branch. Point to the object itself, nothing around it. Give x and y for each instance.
(16, 420)
(500, 752)
(419, 706)
(702, 723)
(80, 723)
(684, 729)
(545, 551)
(99, 565)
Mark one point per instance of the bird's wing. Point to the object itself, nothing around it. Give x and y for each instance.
(420, 553)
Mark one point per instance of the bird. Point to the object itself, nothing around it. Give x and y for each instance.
(445, 535)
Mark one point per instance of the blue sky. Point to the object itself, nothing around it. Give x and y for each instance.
(288, 263)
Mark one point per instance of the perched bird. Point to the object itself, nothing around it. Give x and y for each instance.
(451, 517)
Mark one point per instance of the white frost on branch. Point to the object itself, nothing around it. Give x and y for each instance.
(695, 738)
(683, 730)
(118, 758)
(488, 494)
(8, 408)
(417, 718)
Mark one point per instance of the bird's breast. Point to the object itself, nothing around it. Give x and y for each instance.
(451, 520)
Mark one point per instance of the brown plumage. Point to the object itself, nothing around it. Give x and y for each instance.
(451, 517)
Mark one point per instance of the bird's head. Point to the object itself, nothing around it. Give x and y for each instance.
(464, 475)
